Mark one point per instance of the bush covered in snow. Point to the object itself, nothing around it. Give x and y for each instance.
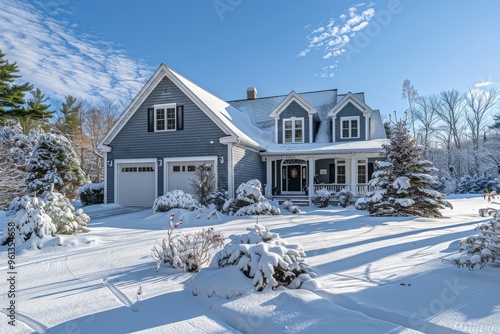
(175, 199)
(63, 214)
(92, 193)
(266, 258)
(290, 207)
(249, 201)
(477, 184)
(29, 225)
(54, 164)
(321, 198)
(481, 248)
(345, 197)
(203, 182)
(189, 251)
(218, 198)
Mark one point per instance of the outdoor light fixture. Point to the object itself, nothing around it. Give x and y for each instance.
(221, 159)
(110, 163)
(159, 162)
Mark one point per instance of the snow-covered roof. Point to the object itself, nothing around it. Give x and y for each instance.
(368, 146)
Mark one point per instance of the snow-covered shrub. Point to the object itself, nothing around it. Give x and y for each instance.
(218, 198)
(175, 199)
(249, 201)
(290, 207)
(29, 225)
(481, 248)
(190, 251)
(477, 184)
(54, 164)
(203, 182)
(92, 193)
(361, 203)
(345, 197)
(266, 258)
(321, 198)
(63, 214)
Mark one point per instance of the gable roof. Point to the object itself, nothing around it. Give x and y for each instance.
(292, 97)
(230, 120)
(350, 98)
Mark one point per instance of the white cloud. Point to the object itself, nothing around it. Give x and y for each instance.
(333, 39)
(484, 84)
(55, 58)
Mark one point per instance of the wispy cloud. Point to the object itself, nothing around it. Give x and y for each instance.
(333, 39)
(54, 57)
(484, 84)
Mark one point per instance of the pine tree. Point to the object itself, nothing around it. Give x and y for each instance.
(11, 94)
(54, 162)
(37, 112)
(69, 123)
(404, 181)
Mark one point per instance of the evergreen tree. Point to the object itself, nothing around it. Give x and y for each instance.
(37, 112)
(54, 162)
(11, 94)
(69, 123)
(403, 182)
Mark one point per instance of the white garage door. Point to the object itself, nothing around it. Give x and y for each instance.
(136, 184)
(181, 173)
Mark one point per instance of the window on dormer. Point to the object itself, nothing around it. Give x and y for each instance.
(350, 127)
(293, 130)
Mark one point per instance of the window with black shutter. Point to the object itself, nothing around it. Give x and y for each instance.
(180, 117)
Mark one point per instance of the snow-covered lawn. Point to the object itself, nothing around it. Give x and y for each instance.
(375, 275)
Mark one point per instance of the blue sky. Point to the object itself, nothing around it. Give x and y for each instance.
(92, 49)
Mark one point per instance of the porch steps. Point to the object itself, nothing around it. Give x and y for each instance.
(300, 200)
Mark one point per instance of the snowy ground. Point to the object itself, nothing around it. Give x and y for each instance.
(376, 275)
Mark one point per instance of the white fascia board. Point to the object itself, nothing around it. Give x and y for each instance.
(350, 97)
(104, 148)
(293, 96)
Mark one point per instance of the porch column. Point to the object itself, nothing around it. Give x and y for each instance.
(367, 127)
(276, 130)
(354, 173)
(269, 178)
(333, 129)
(310, 128)
(310, 181)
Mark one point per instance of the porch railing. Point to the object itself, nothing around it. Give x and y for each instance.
(359, 189)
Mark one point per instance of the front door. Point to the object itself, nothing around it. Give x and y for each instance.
(294, 178)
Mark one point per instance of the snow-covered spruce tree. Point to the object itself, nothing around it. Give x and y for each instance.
(203, 182)
(403, 182)
(31, 224)
(218, 198)
(345, 197)
(63, 214)
(481, 248)
(249, 201)
(92, 193)
(54, 162)
(266, 258)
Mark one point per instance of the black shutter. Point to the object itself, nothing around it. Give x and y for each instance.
(151, 119)
(180, 117)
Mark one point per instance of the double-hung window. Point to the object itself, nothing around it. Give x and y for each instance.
(350, 127)
(362, 171)
(293, 130)
(165, 117)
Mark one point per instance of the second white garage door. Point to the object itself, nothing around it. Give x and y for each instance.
(136, 184)
(181, 173)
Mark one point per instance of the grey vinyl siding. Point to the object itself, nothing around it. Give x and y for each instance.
(134, 141)
(294, 110)
(248, 165)
(348, 111)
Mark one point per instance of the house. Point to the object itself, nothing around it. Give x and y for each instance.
(294, 144)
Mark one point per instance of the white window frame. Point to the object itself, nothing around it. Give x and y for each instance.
(293, 120)
(338, 164)
(349, 119)
(365, 164)
(165, 107)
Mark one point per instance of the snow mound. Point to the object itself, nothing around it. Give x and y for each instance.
(225, 283)
(175, 199)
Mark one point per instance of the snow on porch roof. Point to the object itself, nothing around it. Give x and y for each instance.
(369, 146)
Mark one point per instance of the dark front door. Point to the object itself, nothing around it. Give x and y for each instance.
(294, 177)
(332, 173)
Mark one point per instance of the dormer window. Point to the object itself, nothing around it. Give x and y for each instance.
(350, 127)
(293, 130)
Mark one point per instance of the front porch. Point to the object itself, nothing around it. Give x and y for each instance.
(302, 175)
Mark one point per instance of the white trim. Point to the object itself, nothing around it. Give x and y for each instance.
(167, 161)
(117, 162)
(105, 164)
(310, 128)
(230, 171)
(367, 126)
(165, 107)
(333, 129)
(350, 118)
(276, 130)
(312, 171)
(350, 97)
(291, 97)
(354, 173)
(337, 165)
(293, 119)
(269, 178)
(282, 164)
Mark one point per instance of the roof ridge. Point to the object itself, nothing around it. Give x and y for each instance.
(285, 95)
